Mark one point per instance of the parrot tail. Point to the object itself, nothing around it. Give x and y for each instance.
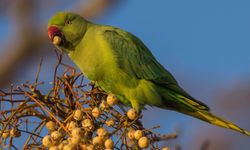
(210, 118)
(192, 108)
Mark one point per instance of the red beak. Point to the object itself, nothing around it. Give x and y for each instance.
(52, 31)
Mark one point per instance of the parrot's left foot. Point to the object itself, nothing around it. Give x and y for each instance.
(136, 106)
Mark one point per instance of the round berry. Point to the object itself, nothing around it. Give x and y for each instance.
(132, 114)
(56, 135)
(51, 125)
(131, 134)
(76, 131)
(97, 140)
(87, 124)
(75, 140)
(112, 100)
(110, 122)
(78, 115)
(71, 125)
(102, 132)
(96, 112)
(143, 142)
(47, 141)
(57, 40)
(138, 134)
(109, 144)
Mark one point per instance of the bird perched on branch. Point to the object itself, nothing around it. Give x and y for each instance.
(121, 64)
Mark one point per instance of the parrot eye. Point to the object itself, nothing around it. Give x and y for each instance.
(67, 22)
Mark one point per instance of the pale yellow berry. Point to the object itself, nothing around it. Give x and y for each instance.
(15, 132)
(110, 122)
(69, 139)
(54, 148)
(56, 135)
(97, 140)
(90, 147)
(71, 125)
(102, 132)
(78, 115)
(112, 100)
(87, 124)
(57, 40)
(132, 114)
(96, 112)
(104, 105)
(6, 134)
(131, 134)
(62, 144)
(165, 148)
(51, 125)
(76, 131)
(69, 147)
(75, 140)
(143, 142)
(109, 144)
(138, 134)
(47, 141)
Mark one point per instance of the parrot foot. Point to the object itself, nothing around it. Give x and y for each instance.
(136, 106)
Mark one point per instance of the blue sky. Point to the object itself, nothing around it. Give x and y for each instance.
(204, 44)
(209, 38)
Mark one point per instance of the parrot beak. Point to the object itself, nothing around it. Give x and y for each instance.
(55, 35)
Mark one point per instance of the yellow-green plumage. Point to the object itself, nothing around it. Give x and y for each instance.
(121, 64)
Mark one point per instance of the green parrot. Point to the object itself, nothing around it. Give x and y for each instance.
(121, 64)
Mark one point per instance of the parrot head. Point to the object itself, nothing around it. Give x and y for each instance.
(66, 30)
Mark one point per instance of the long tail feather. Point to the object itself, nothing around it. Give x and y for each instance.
(209, 117)
(191, 108)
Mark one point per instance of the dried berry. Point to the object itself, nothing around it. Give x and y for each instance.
(112, 100)
(87, 124)
(109, 144)
(56, 135)
(47, 141)
(132, 114)
(96, 112)
(51, 125)
(71, 125)
(102, 132)
(97, 140)
(110, 122)
(138, 134)
(78, 115)
(143, 142)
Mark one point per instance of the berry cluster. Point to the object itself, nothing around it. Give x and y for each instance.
(71, 115)
(98, 127)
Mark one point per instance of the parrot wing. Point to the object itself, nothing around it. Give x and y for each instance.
(135, 59)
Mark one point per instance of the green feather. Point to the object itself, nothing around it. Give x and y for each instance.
(135, 59)
(121, 64)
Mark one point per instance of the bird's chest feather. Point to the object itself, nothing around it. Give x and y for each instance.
(94, 57)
